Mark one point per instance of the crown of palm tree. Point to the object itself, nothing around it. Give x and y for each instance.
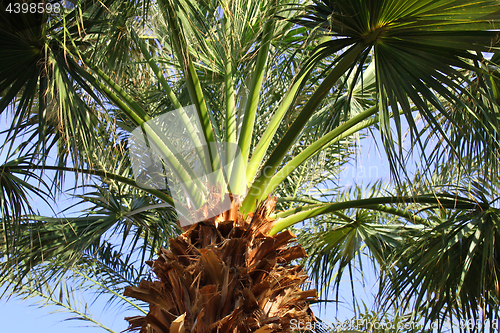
(283, 85)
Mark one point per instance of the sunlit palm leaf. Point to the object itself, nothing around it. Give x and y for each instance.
(419, 49)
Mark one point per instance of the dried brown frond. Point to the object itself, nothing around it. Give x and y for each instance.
(226, 275)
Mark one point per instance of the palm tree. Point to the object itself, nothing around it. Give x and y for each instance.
(279, 88)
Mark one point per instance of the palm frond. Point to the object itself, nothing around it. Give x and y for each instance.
(419, 48)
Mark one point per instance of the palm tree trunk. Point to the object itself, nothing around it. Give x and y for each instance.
(226, 275)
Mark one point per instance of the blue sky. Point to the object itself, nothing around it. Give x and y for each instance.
(20, 317)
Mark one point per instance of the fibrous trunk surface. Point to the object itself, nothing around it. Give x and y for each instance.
(226, 275)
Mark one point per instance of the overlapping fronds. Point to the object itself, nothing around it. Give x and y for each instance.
(449, 270)
(421, 49)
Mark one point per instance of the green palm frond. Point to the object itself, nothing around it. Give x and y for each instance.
(419, 48)
(41, 85)
(119, 219)
(456, 262)
(479, 140)
(455, 258)
(18, 189)
(338, 240)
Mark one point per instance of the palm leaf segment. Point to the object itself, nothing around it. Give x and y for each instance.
(51, 94)
(188, 148)
(421, 49)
